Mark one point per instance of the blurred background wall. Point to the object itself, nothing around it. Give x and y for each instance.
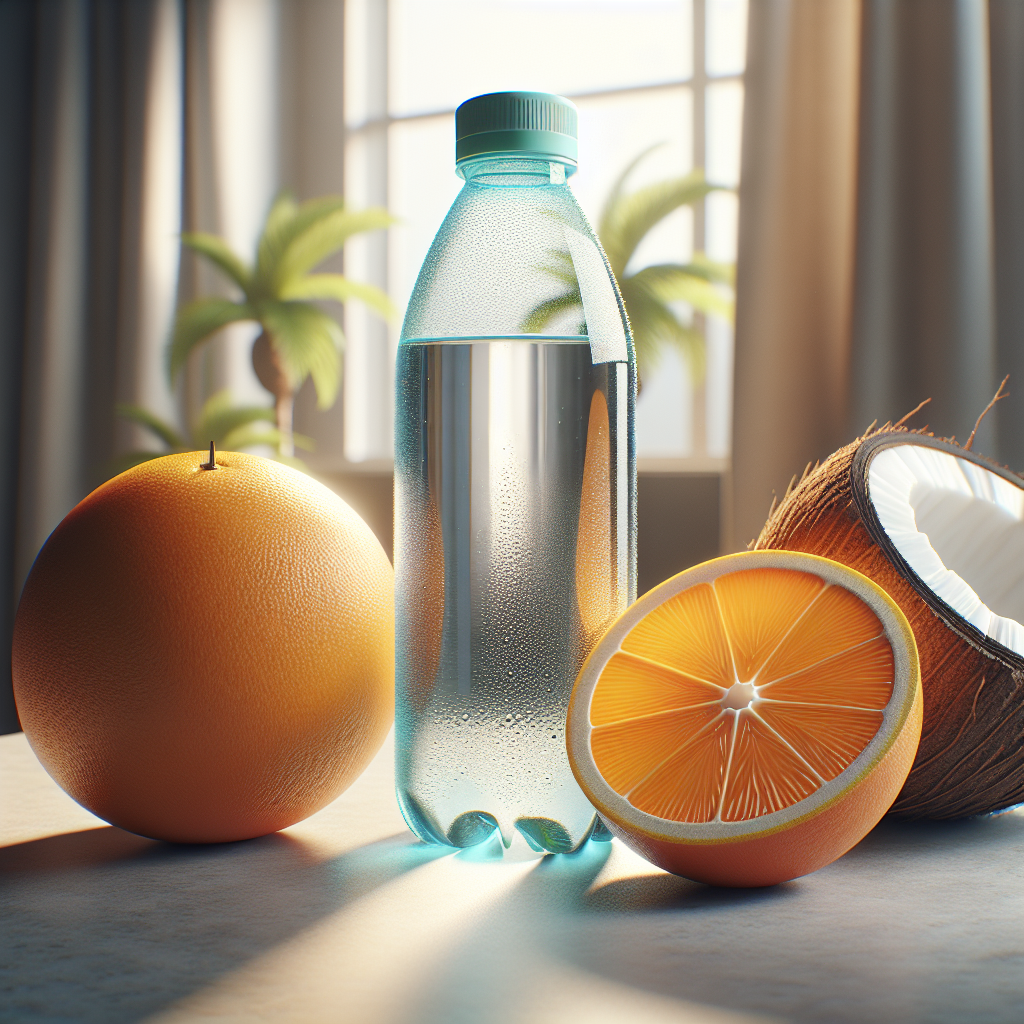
(880, 250)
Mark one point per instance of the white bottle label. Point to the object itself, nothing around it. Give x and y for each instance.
(604, 321)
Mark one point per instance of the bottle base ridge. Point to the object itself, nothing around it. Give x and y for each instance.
(473, 828)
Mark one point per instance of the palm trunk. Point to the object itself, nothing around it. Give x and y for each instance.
(267, 364)
(284, 405)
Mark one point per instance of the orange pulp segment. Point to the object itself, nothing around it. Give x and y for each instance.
(740, 697)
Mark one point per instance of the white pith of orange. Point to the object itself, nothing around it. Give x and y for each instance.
(761, 848)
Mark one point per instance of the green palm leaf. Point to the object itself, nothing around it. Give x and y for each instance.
(544, 312)
(217, 251)
(625, 222)
(272, 241)
(340, 288)
(129, 460)
(197, 321)
(324, 236)
(561, 267)
(619, 185)
(294, 240)
(285, 222)
(308, 342)
(671, 282)
(231, 427)
(711, 270)
(282, 212)
(250, 437)
(647, 295)
(291, 460)
(310, 213)
(160, 428)
(654, 325)
(219, 418)
(253, 437)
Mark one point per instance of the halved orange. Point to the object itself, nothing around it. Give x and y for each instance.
(749, 720)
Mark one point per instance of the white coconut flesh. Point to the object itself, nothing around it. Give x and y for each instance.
(960, 528)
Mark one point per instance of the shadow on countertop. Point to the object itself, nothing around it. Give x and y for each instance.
(922, 838)
(920, 923)
(662, 893)
(105, 926)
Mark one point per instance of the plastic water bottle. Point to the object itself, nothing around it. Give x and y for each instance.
(515, 484)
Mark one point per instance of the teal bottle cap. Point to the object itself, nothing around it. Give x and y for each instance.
(534, 123)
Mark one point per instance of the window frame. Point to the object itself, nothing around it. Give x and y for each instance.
(369, 357)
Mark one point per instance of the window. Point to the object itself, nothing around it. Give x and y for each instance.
(644, 73)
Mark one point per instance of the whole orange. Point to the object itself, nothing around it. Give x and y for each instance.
(206, 655)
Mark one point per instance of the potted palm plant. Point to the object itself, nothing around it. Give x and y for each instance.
(235, 427)
(298, 339)
(648, 294)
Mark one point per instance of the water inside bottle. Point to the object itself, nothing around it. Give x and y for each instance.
(513, 551)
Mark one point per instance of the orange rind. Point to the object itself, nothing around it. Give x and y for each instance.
(204, 656)
(749, 720)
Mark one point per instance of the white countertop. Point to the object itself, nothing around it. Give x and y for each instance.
(344, 917)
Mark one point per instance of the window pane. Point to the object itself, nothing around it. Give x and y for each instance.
(726, 37)
(444, 51)
(365, 61)
(724, 132)
(664, 411)
(422, 186)
(615, 130)
(367, 376)
(426, 56)
(718, 386)
(721, 212)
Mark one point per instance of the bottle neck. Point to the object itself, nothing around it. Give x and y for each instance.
(514, 170)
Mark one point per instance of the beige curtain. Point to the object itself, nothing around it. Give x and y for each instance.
(881, 232)
(796, 247)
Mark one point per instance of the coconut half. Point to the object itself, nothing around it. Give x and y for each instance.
(942, 530)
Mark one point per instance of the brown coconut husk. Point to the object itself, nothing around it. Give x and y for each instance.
(971, 757)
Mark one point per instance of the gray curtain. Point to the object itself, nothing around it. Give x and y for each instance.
(16, 37)
(924, 300)
(881, 233)
(78, 81)
(123, 123)
(1006, 59)
(796, 254)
